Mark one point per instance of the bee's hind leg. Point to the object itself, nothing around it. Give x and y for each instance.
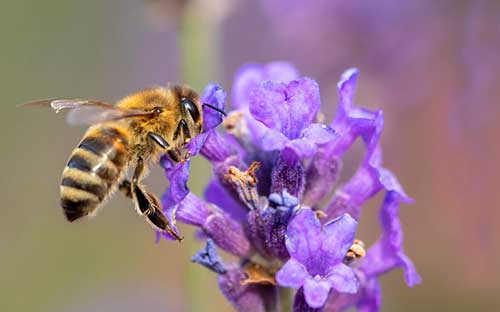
(147, 203)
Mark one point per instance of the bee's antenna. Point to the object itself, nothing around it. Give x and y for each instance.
(215, 109)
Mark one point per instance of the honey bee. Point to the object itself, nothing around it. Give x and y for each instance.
(129, 135)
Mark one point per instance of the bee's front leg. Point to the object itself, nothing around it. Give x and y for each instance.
(158, 139)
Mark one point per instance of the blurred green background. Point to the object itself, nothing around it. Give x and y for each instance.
(106, 49)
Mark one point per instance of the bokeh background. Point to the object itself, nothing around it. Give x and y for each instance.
(433, 66)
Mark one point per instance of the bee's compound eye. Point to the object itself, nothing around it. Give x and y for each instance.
(191, 108)
(157, 110)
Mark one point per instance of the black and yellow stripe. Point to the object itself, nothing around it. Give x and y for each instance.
(92, 170)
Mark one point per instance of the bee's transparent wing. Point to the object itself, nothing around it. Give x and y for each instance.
(87, 112)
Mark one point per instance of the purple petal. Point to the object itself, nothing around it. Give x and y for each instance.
(362, 186)
(350, 121)
(218, 195)
(209, 258)
(303, 103)
(215, 96)
(250, 76)
(228, 234)
(177, 175)
(321, 176)
(306, 145)
(292, 274)
(267, 104)
(300, 304)
(358, 122)
(387, 253)
(316, 292)
(286, 108)
(346, 87)
(273, 140)
(216, 148)
(367, 299)
(304, 236)
(343, 279)
(340, 234)
(371, 300)
(390, 183)
(192, 210)
(368, 180)
(247, 298)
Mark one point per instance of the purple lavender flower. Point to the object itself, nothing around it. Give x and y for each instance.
(273, 167)
(316, 257)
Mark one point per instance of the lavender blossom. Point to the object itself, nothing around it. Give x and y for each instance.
(273, 166)
(316, 256)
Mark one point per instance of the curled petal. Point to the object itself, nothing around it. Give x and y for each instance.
(340, 234)
(178, 175)
(368, 180)
(343, 279)
(359, 121)
(292, 274)
(387, 253)
(390, 183)
(209, 258)
(346, 87)
(215, 96)
(316, 291)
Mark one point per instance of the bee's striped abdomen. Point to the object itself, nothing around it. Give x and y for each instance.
(92, 171)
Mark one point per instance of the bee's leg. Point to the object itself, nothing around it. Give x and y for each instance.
(183, 131)
(158, 139)
(125, 188)
(174, 155)
(147, 203)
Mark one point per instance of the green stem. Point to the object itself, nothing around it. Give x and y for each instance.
(199, 53)
(286, 298)
(199, 44)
